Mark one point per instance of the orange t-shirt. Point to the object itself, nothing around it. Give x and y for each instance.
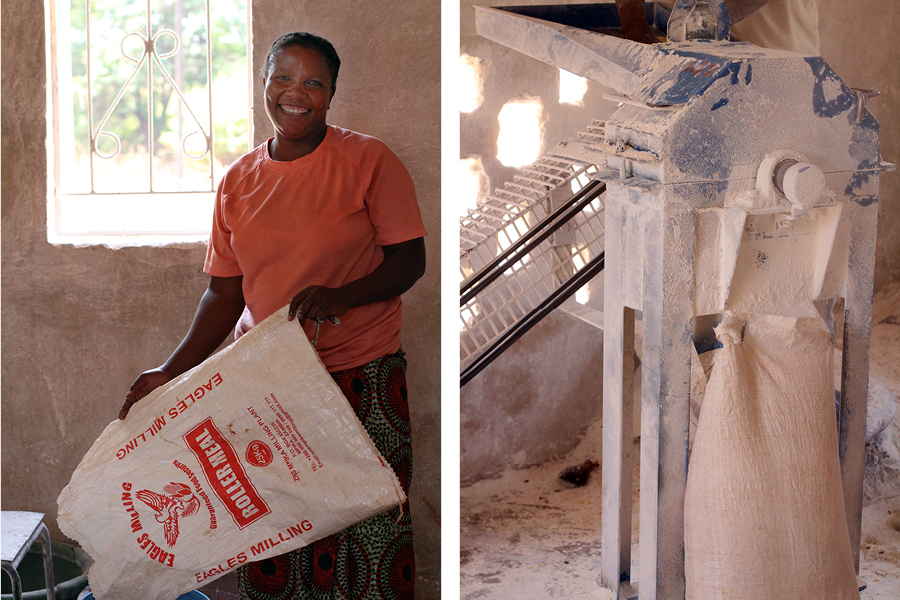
(318, 220)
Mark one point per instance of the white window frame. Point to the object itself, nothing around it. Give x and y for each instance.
(129, 218)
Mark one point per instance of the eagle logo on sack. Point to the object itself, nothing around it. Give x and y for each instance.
(177, 502)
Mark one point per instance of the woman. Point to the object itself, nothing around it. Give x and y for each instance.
(333, 214)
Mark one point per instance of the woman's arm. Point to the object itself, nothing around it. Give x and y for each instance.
(402, 266)
(634, 21)
(218, 311)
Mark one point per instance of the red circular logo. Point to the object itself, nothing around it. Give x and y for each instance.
(258, 454)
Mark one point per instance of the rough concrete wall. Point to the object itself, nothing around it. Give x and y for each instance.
(80, 323)
(534, 402)
(858, 40)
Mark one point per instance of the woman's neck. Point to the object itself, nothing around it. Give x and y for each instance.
(283, 149)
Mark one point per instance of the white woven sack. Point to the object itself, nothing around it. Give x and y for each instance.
(764, 508)
(251, 454)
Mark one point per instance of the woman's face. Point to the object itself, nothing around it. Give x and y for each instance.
(298, 94)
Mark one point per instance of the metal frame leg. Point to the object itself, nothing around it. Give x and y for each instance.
(618, 399)
(665, 399)
(855, 365)
(47, 551)
(14, 578)
(647, 249)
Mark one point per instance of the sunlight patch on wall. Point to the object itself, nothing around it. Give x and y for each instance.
(572, 88)
(582, 295)
(470, 84)
(581, 180)
(519, 142)
(472, 184)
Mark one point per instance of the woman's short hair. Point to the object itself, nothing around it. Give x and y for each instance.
(304, 40)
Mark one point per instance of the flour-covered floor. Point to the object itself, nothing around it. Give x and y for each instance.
(525, 535)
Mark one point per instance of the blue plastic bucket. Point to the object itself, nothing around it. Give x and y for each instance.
(195, 595)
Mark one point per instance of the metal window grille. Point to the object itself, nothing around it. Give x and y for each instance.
(144, 62)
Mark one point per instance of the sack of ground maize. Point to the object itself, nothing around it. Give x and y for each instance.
(249, 455)
(764, 506)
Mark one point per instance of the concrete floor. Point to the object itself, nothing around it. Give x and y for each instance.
(525, 536)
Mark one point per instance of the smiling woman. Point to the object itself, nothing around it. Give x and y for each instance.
(299, 85)
(325, 220)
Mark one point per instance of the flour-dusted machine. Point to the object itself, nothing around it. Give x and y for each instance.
(737, 179)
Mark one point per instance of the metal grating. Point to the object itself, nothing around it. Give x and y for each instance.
(523, 243)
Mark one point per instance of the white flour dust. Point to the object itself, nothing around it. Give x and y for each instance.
(524, 535)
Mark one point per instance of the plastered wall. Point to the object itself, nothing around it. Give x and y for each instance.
(80, 323)
(536, 401)
(858, 41)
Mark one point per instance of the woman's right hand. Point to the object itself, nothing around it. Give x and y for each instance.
(218, 311)
(143, 385)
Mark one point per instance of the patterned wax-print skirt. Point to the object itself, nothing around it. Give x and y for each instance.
(372, 560)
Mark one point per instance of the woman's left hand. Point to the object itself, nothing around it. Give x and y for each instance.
(318, 303)
(403, 264)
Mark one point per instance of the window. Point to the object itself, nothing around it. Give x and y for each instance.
(572, 88)
(471, 83)
(519, 141)
(150, 104)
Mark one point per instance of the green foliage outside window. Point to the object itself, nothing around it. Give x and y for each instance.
(111, 22)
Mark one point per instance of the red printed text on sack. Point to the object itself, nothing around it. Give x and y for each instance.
(190, 399)
(225, 473)
(154, 428)
(209, 507)
(180, 406)
(128, 503)
(155, 552)
(258, 454)
(144, 541)
(221, 568)
(283, 536)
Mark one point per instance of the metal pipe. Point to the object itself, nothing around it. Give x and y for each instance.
(532, 238)
(552, 302)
